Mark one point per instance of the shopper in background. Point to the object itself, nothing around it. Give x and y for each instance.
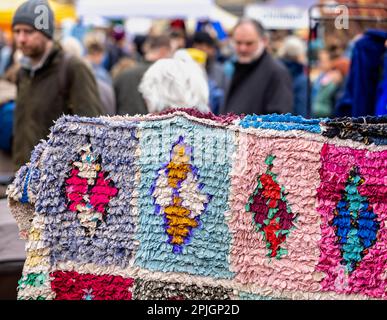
(328, 84)
(175, 83)
(94, 44)
(129, 100)
(293, 55)
(217, 79)
(203, 41)
(50, 82)
(259, 84)
(73, 47)
(116, 47)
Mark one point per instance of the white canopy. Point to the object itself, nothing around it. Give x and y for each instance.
(155, 9)
(281, 14)
(227, 19)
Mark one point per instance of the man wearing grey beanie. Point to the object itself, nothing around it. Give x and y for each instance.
(38, 14)
(50, 82)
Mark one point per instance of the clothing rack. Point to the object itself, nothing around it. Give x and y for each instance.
(313, 20)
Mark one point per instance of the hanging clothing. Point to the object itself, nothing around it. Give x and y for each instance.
(381, 104)
(360, 94)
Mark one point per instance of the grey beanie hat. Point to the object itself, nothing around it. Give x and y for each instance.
(37, 14)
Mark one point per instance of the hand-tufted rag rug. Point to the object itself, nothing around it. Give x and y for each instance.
(185, 205)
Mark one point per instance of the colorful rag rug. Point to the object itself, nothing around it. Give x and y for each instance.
(185, 205)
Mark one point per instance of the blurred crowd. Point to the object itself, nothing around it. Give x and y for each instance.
(108, 71)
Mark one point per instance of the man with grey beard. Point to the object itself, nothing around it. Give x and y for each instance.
(259, 84)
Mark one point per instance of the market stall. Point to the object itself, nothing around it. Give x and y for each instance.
(139, 14)
(281, 14)
(155, 9)
(8, 8)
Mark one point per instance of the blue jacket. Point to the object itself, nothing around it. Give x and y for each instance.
(359, 98)
(381, 104)
(6, 125)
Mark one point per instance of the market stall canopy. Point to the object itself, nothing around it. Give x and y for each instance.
(281, 14)
(226, 19)
(8, 8)
(221, 22)
(155, 9)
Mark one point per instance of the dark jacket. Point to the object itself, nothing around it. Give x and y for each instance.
(261, 87)
(42, 98)
(129, 100)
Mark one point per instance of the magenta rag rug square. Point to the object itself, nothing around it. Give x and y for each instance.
(352, 203)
